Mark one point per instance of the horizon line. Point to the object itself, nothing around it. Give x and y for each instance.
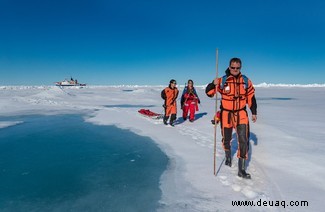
(264, 84)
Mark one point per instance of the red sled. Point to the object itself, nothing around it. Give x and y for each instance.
(150, 114)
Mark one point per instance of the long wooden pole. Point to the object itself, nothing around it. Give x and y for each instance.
(215, 123)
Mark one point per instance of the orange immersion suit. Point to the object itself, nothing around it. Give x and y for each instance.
(170, 95)
(235, 95)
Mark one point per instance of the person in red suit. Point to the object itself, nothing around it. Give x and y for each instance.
(189, 101)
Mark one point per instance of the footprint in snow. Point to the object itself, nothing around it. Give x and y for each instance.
(200, 138)
(224, 180)
(248, 192)
(236, 187)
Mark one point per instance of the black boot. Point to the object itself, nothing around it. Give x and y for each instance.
(228, 158)
(172, 119)
(241, 169)
(165, 120)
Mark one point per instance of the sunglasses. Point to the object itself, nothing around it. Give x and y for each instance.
(235, 68)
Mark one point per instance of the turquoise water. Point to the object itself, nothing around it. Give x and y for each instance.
(61, 163)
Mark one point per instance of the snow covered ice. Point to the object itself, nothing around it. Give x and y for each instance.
(286, 142)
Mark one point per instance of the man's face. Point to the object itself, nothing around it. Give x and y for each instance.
(173, 85)
(234, 68)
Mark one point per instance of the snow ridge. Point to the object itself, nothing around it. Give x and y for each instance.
(267, 85)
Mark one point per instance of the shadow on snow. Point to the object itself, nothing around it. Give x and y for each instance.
(180, 120)
(128, 106)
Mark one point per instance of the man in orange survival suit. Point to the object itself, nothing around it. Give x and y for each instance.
(169, 94)
(236, 91)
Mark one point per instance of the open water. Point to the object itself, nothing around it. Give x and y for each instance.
(61, 163)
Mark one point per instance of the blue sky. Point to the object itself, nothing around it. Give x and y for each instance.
(147, 42)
